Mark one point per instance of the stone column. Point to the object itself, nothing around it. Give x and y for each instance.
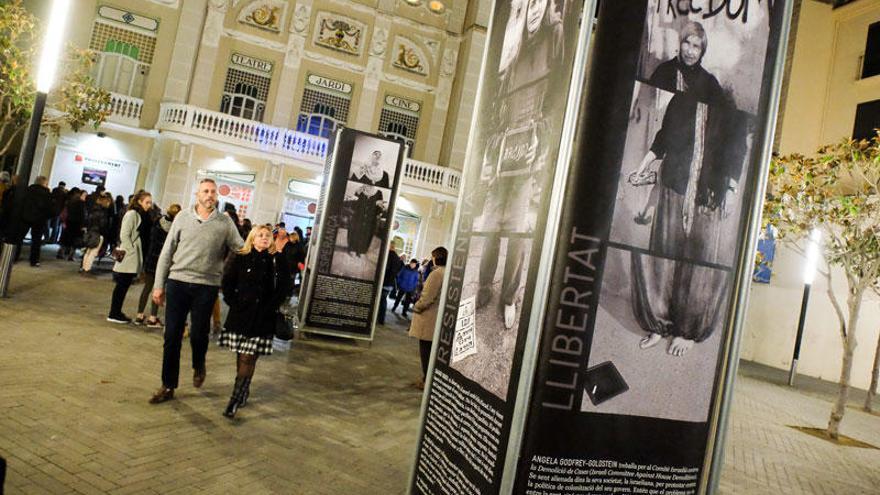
(206, 62)
(287, 83)
(179, 175)
(369, 95)
(268, 202)
(183, 56)
(441, 102)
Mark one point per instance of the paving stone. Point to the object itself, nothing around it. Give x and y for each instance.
(329, 417)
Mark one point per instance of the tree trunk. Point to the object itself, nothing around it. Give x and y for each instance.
(854, 302)
(875, 376)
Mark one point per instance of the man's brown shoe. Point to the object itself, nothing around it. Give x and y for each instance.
(162, 395)
(199, 377)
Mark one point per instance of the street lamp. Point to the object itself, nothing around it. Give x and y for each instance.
(809, 276)
(49, 56)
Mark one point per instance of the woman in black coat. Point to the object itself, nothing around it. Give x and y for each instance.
(255, 283)
(74, 222)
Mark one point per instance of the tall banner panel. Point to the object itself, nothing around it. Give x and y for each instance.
(347, 263)
(653, 249)
(501, 223)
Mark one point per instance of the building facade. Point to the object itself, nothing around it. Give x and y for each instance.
(249, 91)
(829, 96)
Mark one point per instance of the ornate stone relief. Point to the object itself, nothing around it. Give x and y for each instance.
(340, 33)
(409, 56)
(294, 54)
(447, 67)
(264, 14)
(301, 18)
(380, 42)
(373, 74)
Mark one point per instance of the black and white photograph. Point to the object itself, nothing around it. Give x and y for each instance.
(359, 238)
(679, 184)
(500, 280)
(659, 324)
(373, 161)
(521, 136)
(692, 52)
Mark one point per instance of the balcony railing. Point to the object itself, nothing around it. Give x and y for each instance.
(192, 120)
(126, 109)
(197, 121)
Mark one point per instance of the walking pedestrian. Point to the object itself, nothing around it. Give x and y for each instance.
(73, 219)
(392, 268)
(97, 226)
(407, 283)
(158, 235)
(189, 271)
(36, 211)
(59, 199)
(256, 282)
(130, 260)
(426, 309)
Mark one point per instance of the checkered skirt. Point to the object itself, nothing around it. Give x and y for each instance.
(236, 342)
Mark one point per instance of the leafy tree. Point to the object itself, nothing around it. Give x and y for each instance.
(76, 97)
(838, 192)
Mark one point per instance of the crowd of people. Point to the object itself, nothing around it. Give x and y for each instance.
(186, 259)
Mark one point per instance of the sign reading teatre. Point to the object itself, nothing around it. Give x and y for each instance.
(252, 63)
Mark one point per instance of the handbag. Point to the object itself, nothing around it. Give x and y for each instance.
(283, 327)
(118, 254)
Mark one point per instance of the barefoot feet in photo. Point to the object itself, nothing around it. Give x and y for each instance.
(680, 346)
(509, 315)
(650, 341)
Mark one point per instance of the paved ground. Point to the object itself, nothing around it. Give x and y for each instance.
(328, 417)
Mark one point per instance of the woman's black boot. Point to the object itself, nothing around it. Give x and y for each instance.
(245, 394)
(235, 399)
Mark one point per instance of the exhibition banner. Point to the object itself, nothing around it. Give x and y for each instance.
(347, 264)
(501, 220)
(654, 249)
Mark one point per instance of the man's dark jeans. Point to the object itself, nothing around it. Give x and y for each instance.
(383, 304)
(182, 299)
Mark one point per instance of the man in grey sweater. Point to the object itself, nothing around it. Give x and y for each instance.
(189, 272)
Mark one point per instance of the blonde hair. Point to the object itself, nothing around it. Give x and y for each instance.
(249, 242)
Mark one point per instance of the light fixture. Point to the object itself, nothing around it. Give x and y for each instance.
(414, 3)
(812, 256)
(52, 45)
(436, 6)
(229, 159)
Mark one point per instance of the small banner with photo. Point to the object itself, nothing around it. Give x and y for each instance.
(350, 245)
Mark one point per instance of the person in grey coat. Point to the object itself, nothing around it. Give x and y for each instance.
(131, 236)
(189, 272)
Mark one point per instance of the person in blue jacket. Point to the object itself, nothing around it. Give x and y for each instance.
(407, 283)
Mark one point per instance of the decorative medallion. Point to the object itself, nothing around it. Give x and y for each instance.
(301, 18)
(339, 33)
(380, 42)
(409, 56)
(264, 14)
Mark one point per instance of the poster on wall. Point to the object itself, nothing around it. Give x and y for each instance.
(86, 171)
(354, 226)
(642, 290)
(234, 189)
(503, 208)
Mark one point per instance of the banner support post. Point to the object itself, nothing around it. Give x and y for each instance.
(718, 434)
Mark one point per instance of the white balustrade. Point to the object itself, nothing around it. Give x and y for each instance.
(126, 109)
(219, 126)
